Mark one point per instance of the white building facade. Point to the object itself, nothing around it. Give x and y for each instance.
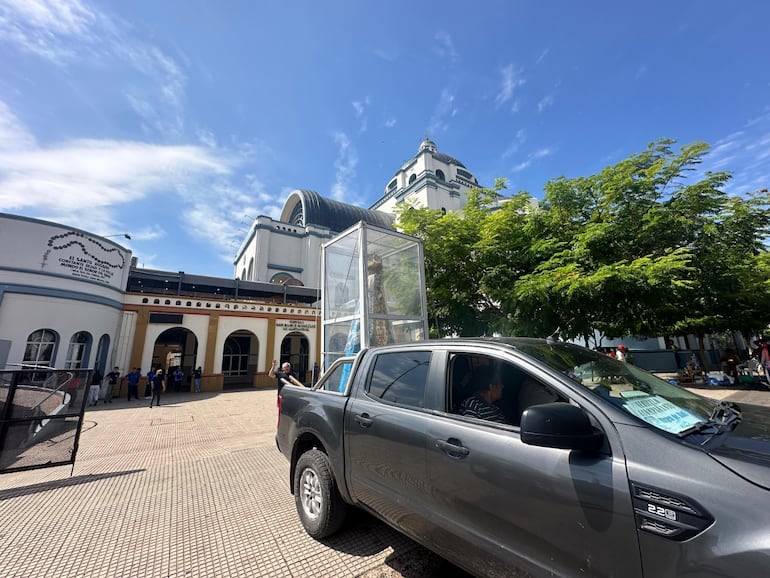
(288, 250)
(61, 294)
(70, 299)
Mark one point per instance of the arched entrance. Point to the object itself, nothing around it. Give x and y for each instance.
(240, 357)
(102, 350)
(295, 349)
(176, 347)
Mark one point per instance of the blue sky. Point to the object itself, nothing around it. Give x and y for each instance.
(179, 121)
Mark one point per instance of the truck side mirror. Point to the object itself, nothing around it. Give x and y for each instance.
(559, 425)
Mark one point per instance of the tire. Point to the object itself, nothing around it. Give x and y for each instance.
(319, 504)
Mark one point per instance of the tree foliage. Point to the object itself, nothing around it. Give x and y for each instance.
(640, 248)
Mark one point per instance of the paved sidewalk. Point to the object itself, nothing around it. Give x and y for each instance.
(195, 487)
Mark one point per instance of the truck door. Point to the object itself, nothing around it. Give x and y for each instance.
(385, 431)
(505, 504)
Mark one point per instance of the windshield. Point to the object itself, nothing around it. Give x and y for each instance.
(659, 403)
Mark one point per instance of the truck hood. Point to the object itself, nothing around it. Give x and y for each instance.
(746, 450)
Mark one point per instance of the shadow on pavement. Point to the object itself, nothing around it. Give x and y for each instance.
(364, 535)
(63, 483)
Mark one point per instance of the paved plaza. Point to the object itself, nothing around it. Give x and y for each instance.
(195, 487)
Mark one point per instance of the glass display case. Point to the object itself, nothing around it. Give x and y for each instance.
(373, 291)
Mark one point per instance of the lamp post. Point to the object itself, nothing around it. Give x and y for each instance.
(126, 235)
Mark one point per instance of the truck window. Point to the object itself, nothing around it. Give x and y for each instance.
(400, 377)
(337, 379)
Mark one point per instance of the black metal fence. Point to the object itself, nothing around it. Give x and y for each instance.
(41, 415)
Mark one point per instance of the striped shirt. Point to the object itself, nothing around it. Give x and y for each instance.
(475, 406)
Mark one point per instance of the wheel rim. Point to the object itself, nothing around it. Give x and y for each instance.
(310, 493)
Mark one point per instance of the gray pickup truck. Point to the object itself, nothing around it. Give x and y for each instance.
(599, 468)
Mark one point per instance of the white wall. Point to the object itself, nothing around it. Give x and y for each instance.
(197, 324)
(20, 315)
(229, 324)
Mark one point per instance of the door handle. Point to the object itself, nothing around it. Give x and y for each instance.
(364, 420)
(453, 448)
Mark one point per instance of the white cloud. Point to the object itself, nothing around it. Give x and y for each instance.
(360, 106)
(746, 154)
(91, 184)
(218, 225)
(390, 122)
(445, 47)
(519, 139)
(544, 103)
(445, 109)
(13, 135)
(389, 55)
(47, 27)
(70, 33)
(207, 138)
(532, 157)
(543, 54)
(511, 80)
(345, 168)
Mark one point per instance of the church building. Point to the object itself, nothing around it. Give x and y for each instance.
(72, 299)
(289, 250)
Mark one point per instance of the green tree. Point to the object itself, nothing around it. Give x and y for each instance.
(640, 248)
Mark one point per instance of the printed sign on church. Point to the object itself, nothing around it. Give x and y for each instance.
(295, 325)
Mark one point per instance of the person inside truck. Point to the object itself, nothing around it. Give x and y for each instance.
(488, 389)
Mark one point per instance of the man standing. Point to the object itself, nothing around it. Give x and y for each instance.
(158, 387)
(96, 385)
(148, 386)
(178, 377)
(112, 381)
(285, 375)
(133, 383)
(197, 374)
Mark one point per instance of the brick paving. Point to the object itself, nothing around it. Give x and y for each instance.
(193, 488)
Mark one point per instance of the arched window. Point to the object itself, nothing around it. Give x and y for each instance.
(280, 278)
(235, 356)
(78, 351)
(440, 175)
(412, 179)
(251, 270)
(41, 347)
(102, 352)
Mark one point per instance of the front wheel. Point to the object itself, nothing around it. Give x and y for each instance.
(319, 504)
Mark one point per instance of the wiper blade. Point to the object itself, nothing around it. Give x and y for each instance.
(725, 415)
(725, 412)
(699, 427)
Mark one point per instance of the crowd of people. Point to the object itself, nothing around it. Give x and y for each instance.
(102, 387)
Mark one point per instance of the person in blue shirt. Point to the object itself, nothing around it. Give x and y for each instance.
(133, 383)
(148, 385)
(178, 377)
